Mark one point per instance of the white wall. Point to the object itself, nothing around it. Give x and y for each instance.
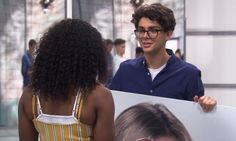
(224, 14)
(199, 13)
(223, 96)
(214, 55)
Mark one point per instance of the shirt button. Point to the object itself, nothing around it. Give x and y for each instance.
(148, 73)
(151, 91)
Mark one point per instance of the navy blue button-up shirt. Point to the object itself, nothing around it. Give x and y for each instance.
(179, 80)
(26, 65)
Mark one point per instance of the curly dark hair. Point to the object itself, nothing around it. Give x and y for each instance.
(155, 12)
(70, 57)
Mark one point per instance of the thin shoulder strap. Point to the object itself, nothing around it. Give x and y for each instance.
(75, 105)
(80, 105)
(33, 106)
(39, 105)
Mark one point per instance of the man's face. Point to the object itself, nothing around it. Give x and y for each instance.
(109, 47)
(155, 39)
(120, 49)
(33, 48)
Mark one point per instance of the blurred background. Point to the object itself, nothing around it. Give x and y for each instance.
(205, 34)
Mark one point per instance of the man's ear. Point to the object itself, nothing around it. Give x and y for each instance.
(169, 35)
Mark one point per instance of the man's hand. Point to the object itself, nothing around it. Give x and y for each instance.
(207, 103)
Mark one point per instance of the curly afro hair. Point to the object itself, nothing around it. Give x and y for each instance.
(155, 12)
(70, 57)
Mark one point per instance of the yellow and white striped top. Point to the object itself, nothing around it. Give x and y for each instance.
(61, 128)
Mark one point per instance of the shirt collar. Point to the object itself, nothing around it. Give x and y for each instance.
(170, 60)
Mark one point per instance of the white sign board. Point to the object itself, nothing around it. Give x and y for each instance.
(218, 125)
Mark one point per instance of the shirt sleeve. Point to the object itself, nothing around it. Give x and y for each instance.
(195, 87)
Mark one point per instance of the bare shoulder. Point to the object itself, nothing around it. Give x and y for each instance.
(102, 95)
(101, 90)
(104, 105)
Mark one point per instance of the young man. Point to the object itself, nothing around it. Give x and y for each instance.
(108, 47)
(119, 57)
(27, 62)
(159, 72)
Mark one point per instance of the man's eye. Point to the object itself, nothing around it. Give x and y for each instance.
(141, 31)
(153, 30)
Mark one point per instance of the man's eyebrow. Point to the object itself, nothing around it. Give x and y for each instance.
(149, 27)
(154, 27)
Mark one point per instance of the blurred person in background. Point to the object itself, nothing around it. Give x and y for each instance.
(119, 45)
(108, 47)
(138, 52)
(178, 54)
(27, 62)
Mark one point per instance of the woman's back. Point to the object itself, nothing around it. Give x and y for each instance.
(65, 120)
(60, 126)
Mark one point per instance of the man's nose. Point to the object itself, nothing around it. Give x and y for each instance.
(145, 34)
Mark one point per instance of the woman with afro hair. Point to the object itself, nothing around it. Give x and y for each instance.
(66, 99)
